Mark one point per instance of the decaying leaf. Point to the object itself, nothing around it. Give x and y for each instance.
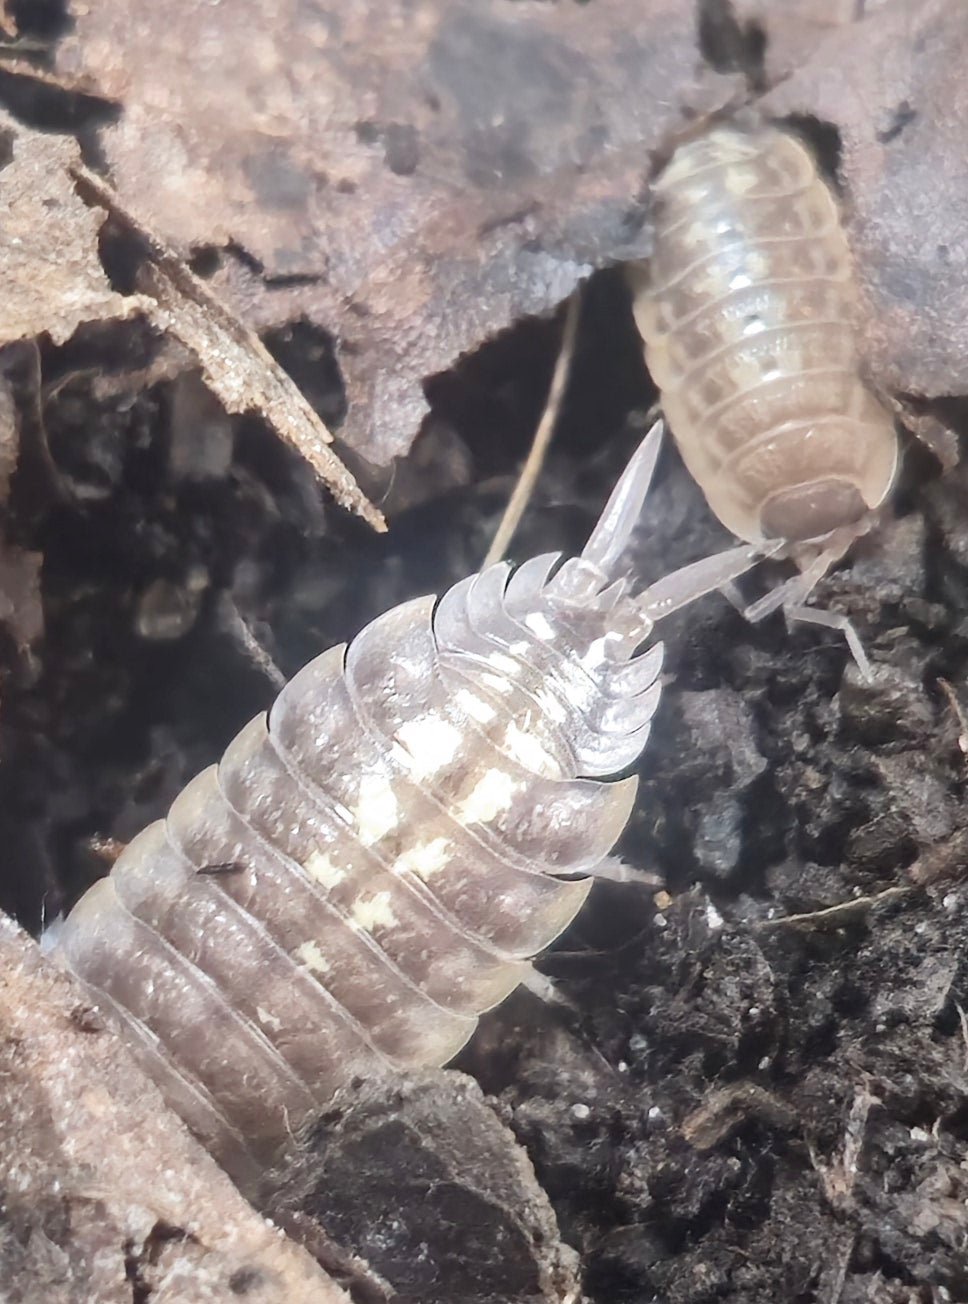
(894, 88)
(235, 363)
(52, 281)
(409, 177)
(106, 1196)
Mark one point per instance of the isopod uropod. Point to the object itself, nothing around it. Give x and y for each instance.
(372, 865)
(747, 310)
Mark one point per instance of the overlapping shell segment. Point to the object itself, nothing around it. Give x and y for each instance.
(372, 865)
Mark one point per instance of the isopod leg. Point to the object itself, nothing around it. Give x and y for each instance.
(791, 596)
(834, 620)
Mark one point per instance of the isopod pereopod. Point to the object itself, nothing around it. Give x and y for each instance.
(374, 863)
(747, 309)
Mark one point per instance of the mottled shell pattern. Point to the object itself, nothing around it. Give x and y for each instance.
(374, 863)
(748, 313)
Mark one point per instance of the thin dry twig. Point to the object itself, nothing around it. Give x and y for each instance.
(958, 712)
(836, 915)
(542, 438)
(963, 1019)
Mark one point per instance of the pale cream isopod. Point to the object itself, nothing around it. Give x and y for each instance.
(748, 312)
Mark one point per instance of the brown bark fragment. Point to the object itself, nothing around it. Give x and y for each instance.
(51, 278)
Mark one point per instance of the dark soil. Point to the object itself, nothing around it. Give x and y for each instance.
(739, 1097)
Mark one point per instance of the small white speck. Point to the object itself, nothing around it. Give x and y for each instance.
(524, 747)
(581, 1112)
(430, 742)
(475, 706)
(661, 921)
(753, 1012)
(268, 1019)
(655, 1113)
(376, 808)
(714, 919)
(424, 859)
(506, 665)
(319, 866)
(919, 1134)
(764, 1064)
(540, 625)
(373, 912)
(312, 957)
(950, 900)
(496, 682)
(622, 1066)
(492, 794)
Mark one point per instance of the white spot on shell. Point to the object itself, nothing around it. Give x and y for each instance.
(319, 866)
(524, 747)
(376, 810)
(540, 625)
(268, 1019)
(312, 957)
(475, 706)
(373, 912)
(431, 743)
(507, 665)
(424, 859)
(492, 794)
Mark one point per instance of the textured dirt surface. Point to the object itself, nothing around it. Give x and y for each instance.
(754, 1089)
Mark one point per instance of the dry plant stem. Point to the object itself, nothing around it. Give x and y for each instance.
(238, 367)
(836, 915)
(531, 470)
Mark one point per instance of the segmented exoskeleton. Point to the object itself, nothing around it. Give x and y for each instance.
(373, 865)
(748, 313)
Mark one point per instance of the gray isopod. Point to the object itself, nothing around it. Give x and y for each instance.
(747, 309)
(374, 863)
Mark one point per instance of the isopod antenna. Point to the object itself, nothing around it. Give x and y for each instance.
(606, 555)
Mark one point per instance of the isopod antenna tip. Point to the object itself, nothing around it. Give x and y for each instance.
(611, 536)
(605, 553)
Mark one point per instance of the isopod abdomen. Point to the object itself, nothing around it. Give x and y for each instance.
(748, 313)
(374, 863)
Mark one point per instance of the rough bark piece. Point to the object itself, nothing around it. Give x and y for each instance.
(411, 177)
(51, 278)
(105, 1194)
(894, 87)
(418, 1177)
(52, 281)
(236, 364)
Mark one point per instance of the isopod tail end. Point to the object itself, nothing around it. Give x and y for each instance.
(610, 537)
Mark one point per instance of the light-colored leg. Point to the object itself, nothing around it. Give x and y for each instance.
(833, 620)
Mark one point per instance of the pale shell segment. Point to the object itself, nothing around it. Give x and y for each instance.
(371, 867)
(748, 310)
